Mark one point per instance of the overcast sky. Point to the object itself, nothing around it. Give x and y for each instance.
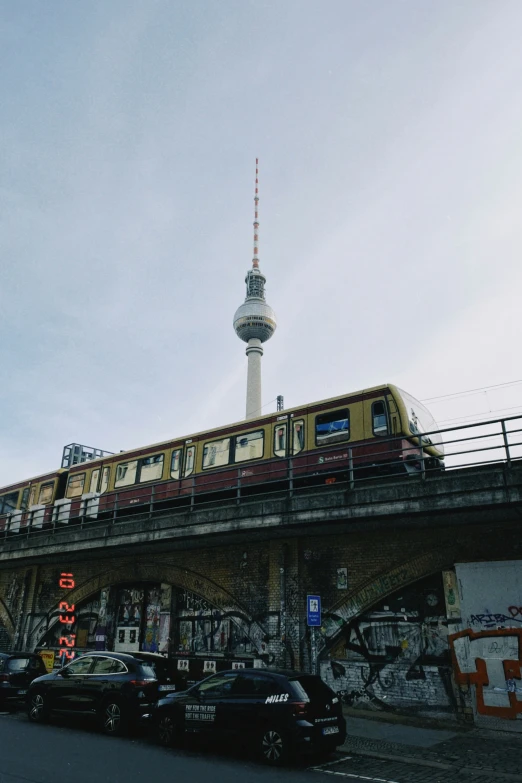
(389, 137)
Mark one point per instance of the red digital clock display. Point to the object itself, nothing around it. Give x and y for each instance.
(67, 618)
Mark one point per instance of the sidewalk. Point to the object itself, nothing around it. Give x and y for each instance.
(452, 746)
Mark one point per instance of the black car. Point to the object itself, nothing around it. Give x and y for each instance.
(276, 712)
(17, 671)
(116, 688)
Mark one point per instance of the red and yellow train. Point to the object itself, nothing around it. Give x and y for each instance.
(373, 432)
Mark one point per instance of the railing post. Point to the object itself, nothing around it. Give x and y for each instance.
(238, 491)
(350, 468)
(290, 477)
(506, 442)
(114, 510)
(422, 459)
(192, 493)
(151, 504)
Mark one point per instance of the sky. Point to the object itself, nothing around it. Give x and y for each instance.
(389, 138)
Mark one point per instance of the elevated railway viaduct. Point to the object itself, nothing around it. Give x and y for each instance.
(421, 606)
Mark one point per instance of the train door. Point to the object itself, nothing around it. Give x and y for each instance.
(374, 456)
(279, 467)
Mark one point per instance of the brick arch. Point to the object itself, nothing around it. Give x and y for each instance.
(379, 587)
(7, 620)
(154, 571)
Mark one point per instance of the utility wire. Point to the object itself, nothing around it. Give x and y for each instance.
(471, 391)
(478, 416)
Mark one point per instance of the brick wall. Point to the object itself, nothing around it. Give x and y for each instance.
(371, 655)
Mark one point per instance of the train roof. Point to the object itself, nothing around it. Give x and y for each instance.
(50, 475)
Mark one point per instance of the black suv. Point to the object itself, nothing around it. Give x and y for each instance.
(116, 688)
(17, 670)
(277, 712)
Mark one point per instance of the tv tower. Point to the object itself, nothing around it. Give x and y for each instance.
(254, 321)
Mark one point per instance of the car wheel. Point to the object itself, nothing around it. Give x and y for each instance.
(37, 709)
(273, 747)
(112, 718)
(167, 732)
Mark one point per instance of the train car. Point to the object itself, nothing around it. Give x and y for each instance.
(373, 432)
(30, 503)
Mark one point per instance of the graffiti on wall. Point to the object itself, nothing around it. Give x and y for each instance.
(491, 661)
(203, 627)
(397, 654)
(486, 645)
(382, 585)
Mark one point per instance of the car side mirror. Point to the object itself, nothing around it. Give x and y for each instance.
(64, 673)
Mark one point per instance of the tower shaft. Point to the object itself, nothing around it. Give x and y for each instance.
(254, 352)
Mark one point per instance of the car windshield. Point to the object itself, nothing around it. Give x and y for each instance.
(162, 667)
(17, 664)
(148, 671)
(313, 688)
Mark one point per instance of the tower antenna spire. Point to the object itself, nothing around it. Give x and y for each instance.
(255, 321)
(255, 259)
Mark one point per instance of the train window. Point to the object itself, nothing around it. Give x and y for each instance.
(332, 427)
(298, 436)
(126, 474)
(95, 475)
(32, 497)
(190, 458)
(216, 453)
(74, 485)
(46, 493)
(105, 480)
(8, 503)
(280, 435)
(379, 418)
(249, 446)
(151, 468)
(175, 463)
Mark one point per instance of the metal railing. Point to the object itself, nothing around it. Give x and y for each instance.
(346, 466)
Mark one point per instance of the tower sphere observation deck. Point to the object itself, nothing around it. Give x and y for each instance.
(254, 321)
(255, 318)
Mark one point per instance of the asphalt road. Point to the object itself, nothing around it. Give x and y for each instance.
(71, 750)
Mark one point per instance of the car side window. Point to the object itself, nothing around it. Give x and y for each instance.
(102, 665)
(118, 667)
(252, 685)
(219, 685)
(80, 666)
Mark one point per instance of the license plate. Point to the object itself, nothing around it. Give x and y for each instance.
(167, 687)
(331, 730)
(22, 693)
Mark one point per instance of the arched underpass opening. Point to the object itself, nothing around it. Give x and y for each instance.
(202, 629)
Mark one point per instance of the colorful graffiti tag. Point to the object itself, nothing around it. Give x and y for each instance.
(492, 662)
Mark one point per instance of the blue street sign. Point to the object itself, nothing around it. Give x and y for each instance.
(313, 610)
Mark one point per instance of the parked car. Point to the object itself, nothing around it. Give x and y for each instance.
(168, 677)
(276, 712)
(17, 671)
(116, 688)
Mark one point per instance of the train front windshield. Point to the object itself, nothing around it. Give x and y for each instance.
(420, 420)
